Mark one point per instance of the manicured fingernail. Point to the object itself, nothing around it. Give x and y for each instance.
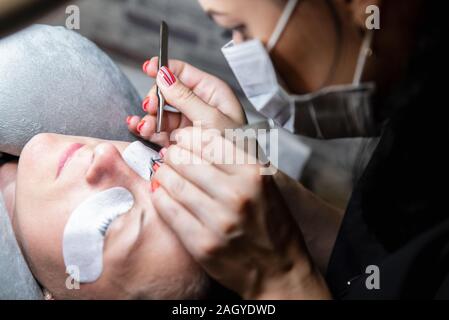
(140, 125)
(145, 104)
(163, 152)
(154, 185)
(166, 76)
(128, 119)
(155, 167)
(145, 66)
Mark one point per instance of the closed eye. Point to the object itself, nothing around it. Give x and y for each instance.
(105, 225)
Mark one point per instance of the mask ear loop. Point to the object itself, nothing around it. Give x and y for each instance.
(282, 24)
(365, 52)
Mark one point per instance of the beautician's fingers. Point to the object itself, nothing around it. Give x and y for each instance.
(211, 89)
(214, 148)
(208, 211)
(187, 227)
(151, 101)
(132, 122)
(186, 101)
(198, 172)
(146, 127)
(188, 74)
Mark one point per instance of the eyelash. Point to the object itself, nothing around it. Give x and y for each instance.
(105, 225)
(227, 33)
(155, 161)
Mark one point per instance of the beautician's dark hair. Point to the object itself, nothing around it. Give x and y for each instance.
(425, 63)
(420, 78)
(400, 188)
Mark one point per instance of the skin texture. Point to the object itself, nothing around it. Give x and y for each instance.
(142, 257)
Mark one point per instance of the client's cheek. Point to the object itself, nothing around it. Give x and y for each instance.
(123, 235)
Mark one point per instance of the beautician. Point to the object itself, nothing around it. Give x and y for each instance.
(290, 76)
(239, 225)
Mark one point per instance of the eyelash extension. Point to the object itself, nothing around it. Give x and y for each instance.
(227, 33)
(156, 160)
(105, 225)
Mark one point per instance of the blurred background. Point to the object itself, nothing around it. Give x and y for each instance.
(128, 30)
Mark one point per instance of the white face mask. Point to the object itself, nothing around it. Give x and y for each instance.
(338, 111)
(85, 231)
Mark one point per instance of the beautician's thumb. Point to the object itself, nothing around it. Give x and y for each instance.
(177, 95)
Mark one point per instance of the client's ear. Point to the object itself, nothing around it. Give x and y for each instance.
(359, 8)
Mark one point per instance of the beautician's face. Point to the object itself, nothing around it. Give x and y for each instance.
(305, 54)
(247, 19)
(142, 257)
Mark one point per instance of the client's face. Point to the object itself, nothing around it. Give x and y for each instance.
(141, 256)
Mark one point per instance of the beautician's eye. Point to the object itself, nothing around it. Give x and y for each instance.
(239, 28)
(228, 32)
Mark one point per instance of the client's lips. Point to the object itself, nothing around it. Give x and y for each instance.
(67, 155)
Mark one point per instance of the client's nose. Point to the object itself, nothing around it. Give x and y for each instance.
(107, 167)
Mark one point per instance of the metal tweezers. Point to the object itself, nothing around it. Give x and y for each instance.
(163, 62)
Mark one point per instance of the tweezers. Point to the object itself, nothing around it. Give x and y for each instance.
(163, 62)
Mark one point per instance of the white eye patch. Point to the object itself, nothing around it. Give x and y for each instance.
(85, 230)
(140, 158)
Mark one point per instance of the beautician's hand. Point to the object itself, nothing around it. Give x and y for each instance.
(233, 220)
(198, 95)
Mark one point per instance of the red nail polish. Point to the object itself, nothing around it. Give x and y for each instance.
(156, 167)
(145, 104)
(145, 66)
(140, 125)
(167, 76)
(154, 185)
(128, 119)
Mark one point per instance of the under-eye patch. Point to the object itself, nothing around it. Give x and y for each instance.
(86, 228)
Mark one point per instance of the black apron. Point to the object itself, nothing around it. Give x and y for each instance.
(398, 216)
